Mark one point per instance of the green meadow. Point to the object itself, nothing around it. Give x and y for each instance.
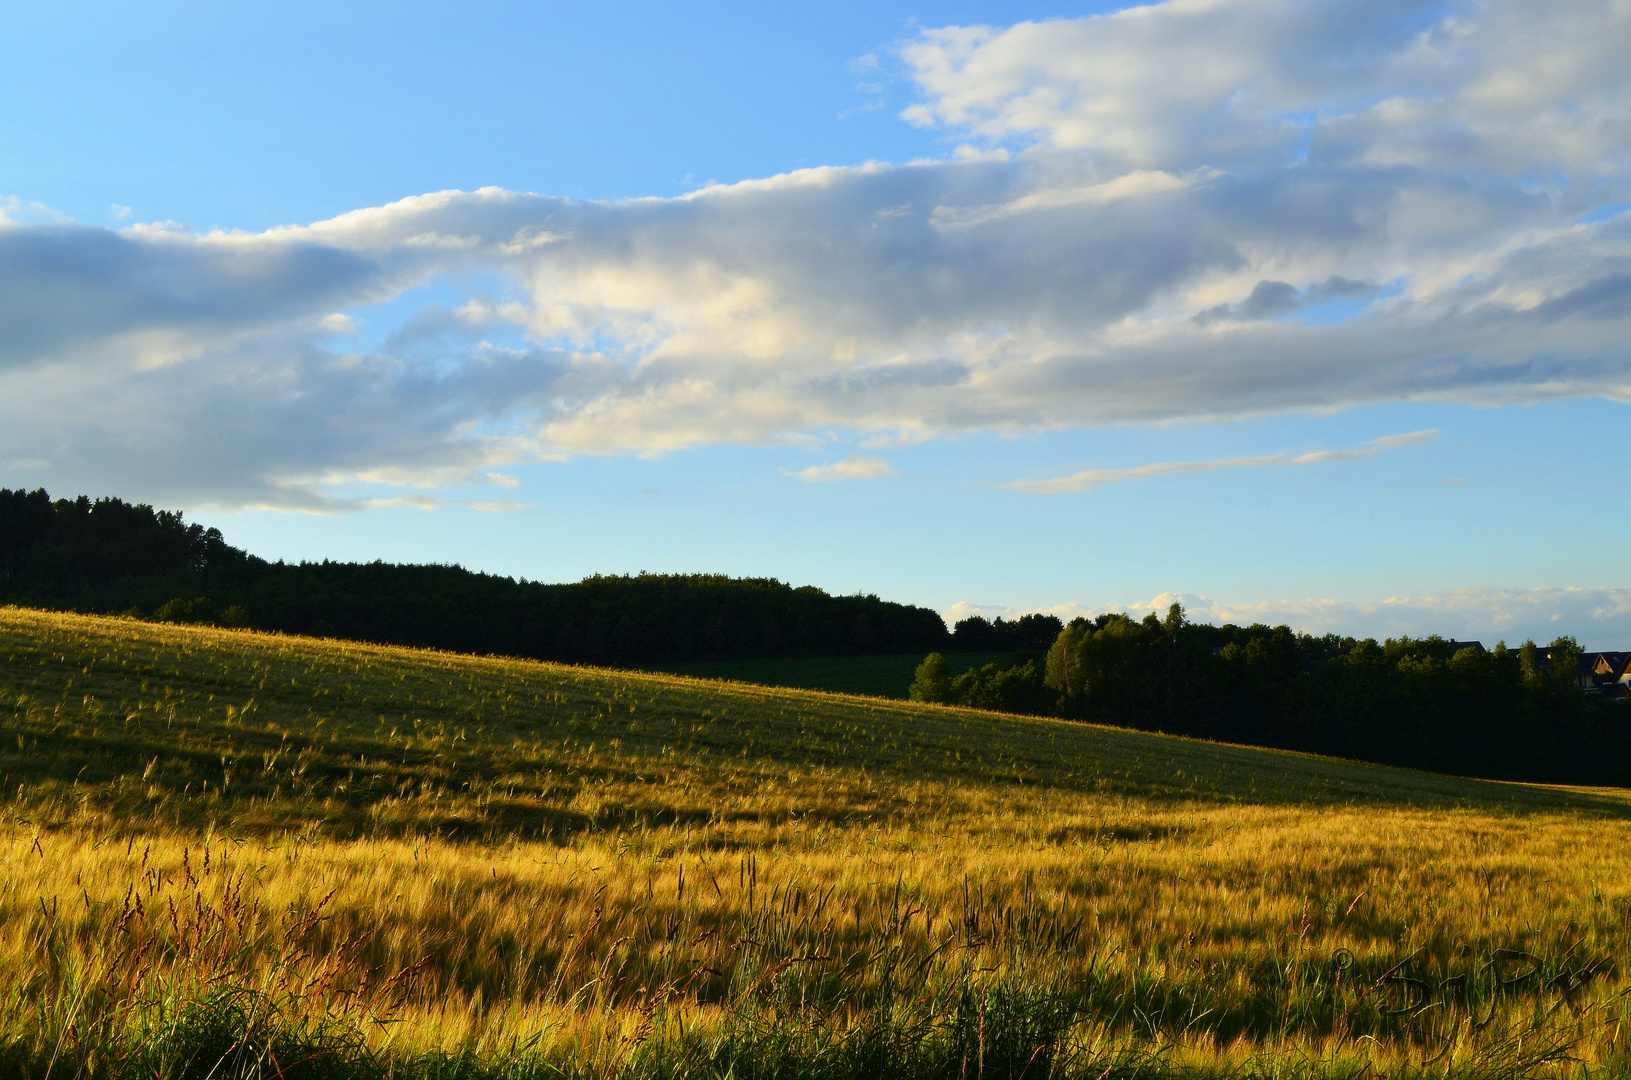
(232, 854)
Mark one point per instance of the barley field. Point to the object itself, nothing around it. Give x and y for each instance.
(229, 854)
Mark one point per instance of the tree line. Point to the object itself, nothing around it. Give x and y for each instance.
(1427, 703)
(108, 556)
(1506, 714)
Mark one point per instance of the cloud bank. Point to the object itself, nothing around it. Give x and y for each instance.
(1600, 618)
(1143, 216)
(1092, 478)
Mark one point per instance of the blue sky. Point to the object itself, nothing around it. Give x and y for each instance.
(1306, 312)
(252, 115)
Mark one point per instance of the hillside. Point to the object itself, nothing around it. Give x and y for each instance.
(263, 731)
(237, 854)
(1513, 714)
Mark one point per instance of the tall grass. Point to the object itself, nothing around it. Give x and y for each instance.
(228, 854)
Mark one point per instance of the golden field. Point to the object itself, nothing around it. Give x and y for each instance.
(235, 854)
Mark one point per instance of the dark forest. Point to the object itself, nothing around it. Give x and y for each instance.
(1426, 703)
(108, 556)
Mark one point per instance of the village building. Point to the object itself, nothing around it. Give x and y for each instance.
(1607, 674)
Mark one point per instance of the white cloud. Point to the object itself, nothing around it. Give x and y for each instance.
(1140, 214)
(964, 609)
(1600, 618)
(1092, 478)
(1496, 86)
(857, 467)
(418, 502)
(1140, 182)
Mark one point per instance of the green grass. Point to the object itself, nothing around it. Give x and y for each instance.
(872, 676)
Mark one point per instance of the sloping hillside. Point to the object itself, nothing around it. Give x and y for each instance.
(181, 724)
(229, 854)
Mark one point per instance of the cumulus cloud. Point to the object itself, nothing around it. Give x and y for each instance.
(855, 467)
(1138, 212)
(1494, 86)
(1600, 618)
(1092, 478)
(1065, 612)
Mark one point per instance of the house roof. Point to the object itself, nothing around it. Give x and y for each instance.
(1609, 663)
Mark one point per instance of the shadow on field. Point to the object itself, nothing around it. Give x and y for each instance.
(1105, 835)
(1170, 768)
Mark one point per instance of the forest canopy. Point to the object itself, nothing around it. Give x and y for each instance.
(109, 556)
(1426, 703)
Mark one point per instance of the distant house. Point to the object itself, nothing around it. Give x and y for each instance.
(1600, 674)
(1608, 663)
(1457, 646)
(1609, 674)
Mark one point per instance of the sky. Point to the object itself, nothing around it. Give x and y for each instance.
(1305, 311)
